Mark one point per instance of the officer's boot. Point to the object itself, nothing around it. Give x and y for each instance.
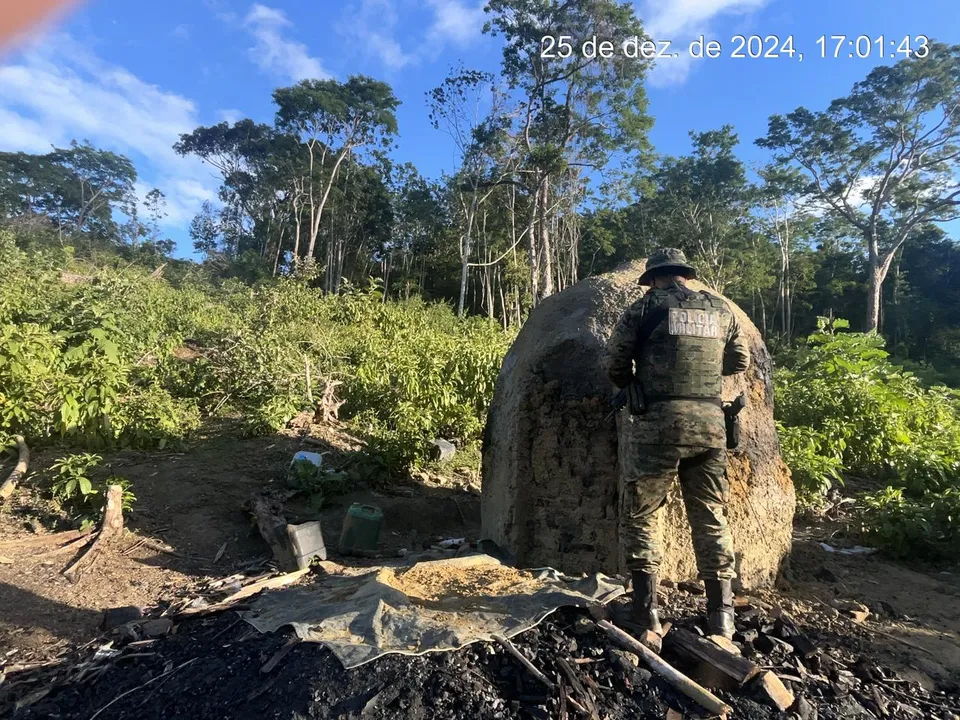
(644, 612)
(719, 608)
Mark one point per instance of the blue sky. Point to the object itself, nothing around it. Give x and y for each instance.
(132, 76)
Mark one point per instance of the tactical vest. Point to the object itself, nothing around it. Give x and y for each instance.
(683, 355)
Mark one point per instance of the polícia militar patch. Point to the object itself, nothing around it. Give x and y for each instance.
(694, 323)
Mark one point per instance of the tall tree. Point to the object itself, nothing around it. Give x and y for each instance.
(576, 108)
(702, 204)
(77, 188)
(333, 120)
(468, 106)
(884, 159)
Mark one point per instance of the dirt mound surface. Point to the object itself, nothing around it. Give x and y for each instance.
(431, 583)
(550, 458)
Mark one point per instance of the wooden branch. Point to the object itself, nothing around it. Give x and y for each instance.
(110, 527)
(280, 654)
(578, 686)
(737, 668)
(688, 687)
(75, 545)
(231, 601)
(529, 666)
(10, 485)
(41, 540)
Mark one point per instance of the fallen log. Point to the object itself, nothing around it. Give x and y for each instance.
(529, 666)
(23, 461)
(74, 545)
(110, 527)
(732, 666)
(688, 687)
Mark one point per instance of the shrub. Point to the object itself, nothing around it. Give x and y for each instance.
(104, 361)
(928, 526)
(815, 460)
(846, 407)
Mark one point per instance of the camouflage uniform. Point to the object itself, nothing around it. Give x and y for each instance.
(695, 342)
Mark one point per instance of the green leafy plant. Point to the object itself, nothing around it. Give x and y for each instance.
(81, 496)
(814, 459)
(132, 360)
(317, 483)
(844, 408)
(71, 484)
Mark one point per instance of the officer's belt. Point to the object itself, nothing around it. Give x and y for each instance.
(666, 398)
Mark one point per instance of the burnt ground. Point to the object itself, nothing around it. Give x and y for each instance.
(215, 668)
(902, 661)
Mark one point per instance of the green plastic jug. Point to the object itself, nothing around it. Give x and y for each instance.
(361, 530)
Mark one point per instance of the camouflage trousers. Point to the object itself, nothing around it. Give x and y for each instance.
(645, 480)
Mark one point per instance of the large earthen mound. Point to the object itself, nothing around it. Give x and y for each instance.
(550, 459)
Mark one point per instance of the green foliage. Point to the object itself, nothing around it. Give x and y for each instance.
(845, 410)
(317, 483)
(815, 460)
(73, 358)
(928, 526)
(78, 494)
(123, 359)
(844, 400)
(419, 373)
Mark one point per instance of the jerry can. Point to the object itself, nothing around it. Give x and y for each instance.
(361, 530)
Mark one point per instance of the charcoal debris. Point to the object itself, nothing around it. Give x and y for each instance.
(809, 672)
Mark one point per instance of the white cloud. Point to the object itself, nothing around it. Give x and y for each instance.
(230, 115)
(680, 21)
(58, 91)
(457, 21)
(181, 32)
(372, 25)
(21, 133)
(275, 53)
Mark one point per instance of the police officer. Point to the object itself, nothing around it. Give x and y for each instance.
(681, 342)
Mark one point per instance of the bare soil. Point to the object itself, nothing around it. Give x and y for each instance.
(193, 501)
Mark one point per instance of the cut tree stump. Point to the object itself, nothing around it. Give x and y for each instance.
(23, 461)
(110, 528)
(728, 664)
(328, 409)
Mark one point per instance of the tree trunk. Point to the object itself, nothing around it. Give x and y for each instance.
(533, 251)
(874, 297)
(545, 246)
(465, 247)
